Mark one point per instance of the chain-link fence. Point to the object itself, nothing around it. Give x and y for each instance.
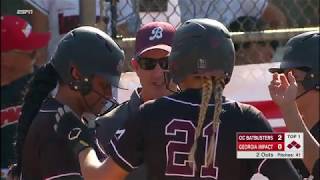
(274, 13)
(125, 17)
(237, 15)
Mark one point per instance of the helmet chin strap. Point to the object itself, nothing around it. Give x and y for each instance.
(306, 91)
(303, 93)
(108, 105)
(300, 95)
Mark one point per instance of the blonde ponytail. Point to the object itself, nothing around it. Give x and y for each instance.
(218, 89)
(206, 95)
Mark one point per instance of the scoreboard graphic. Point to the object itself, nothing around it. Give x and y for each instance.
(269, 145)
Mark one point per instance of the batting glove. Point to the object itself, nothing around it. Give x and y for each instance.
(71, 128)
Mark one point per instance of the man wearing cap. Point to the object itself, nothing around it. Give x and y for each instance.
(153, 46)
(295, 89)
(19, 46)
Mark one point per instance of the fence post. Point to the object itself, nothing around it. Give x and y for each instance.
(87, 12)
(114, 18)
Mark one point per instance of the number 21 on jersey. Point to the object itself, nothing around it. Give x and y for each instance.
(181, 148)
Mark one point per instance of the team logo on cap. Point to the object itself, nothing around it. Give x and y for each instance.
(156, 33)
(27, 30)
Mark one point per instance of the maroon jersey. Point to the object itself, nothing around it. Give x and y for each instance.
(45, 154)
(162, 134)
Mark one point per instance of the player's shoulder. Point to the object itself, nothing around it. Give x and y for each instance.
(119, 110)
(148, 105)
(46, 114)
(248, 117)
(43, 122)
(243, 109)
(155, 104)
(125, 109)
(114, 118)
(251, 113)
(247, 108)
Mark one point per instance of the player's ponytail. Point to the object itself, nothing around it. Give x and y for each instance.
(218, 86)
(43, 82)
(206, 95)
(209, 87)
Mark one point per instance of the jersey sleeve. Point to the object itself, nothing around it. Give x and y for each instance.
(41, 5)
(126, 146)
(255, 120)
(109, 123)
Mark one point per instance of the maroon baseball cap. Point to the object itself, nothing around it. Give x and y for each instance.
(154, 35)
(16, 33)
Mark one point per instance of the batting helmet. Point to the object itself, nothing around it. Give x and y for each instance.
(201, 46)
(92, 51)
(302, 52)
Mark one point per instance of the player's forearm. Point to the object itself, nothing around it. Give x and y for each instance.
(91, 167)
(295, 123)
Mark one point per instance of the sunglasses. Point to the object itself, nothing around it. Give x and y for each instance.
(150, 63)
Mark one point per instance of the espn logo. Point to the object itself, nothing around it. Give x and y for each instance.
(24, 11)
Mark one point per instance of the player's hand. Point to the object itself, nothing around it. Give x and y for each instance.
(74, 130)
(283, 90)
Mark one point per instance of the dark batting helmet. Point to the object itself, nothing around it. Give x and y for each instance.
(302, 52)
(90, 50)
(203, 47)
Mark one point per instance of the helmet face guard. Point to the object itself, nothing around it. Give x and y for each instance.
(302, 52)
(201, 47)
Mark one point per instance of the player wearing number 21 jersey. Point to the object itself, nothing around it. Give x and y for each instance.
(162, 134)
(173, 135)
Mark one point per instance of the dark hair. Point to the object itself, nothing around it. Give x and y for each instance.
(42, 83)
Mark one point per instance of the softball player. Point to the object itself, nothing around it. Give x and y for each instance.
(295, 88)
(85, 66)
